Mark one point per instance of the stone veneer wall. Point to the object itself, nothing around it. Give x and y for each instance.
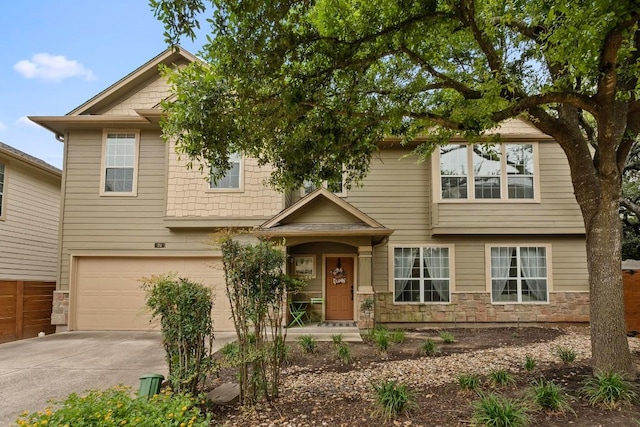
(365, 318)
(477, 308)
(60, 311)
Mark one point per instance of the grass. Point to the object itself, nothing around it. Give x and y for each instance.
(337, 338)
(392, 399)
(608, 390)
(382, 340)
(500, 378)
(566, 354)
(343, 353)
(530, 364)
(468, 382)
(497, 411)
(447, 337)
(308, 343)
(429, 348)
(398, 336)
(550, 396)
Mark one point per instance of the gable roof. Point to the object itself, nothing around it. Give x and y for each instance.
(89, 114)
(14, 153)
(357, 222)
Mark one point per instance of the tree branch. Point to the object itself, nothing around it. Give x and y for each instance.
(574, 99)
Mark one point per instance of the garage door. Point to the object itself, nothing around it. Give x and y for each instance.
(109, 297)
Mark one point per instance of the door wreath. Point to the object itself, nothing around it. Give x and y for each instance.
(338, 275)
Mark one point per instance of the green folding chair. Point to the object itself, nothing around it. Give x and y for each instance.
(298, 312)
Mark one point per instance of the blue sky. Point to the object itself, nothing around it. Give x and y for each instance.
(58, 54)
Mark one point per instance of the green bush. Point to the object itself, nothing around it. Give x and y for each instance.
(116, 407)
(184, 310)
(609, 390)
(230, 352)
(500, 378)
(530, 364)
(308, 343)
(343, 352)
(550, 396)
(496, 411)
(447, 337)
(429, 348)
(468, 382)
(398, 336)
(392, 399)
(382, 340)
(337, 338)
(567, 355)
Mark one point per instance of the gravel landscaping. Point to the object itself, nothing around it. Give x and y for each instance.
(320, 390)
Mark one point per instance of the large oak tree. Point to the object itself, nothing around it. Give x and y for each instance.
(311, 87)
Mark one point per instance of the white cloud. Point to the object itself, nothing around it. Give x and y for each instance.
(24, 122)
(2, 126)
(51, 68)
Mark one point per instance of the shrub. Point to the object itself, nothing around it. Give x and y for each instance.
(382, 340)
(500, 378)
(308, 343)
(116, 407)
(468, 382)
(530, 364)
(608, 390)
(447, 337)
(184, 310)
(550, 396)
(343, 352)
(392, 399)
(230, 352)
(497, 411)
(398, 336)
(567, 355)
(337, 338)
(429, 347)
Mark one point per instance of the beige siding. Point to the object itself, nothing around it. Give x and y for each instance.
(188, 193)
(29, 230)
(568, 261)
(318, 212)
(130, 225)
(557, 211)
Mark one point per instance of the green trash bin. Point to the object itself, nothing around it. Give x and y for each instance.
(150, 384)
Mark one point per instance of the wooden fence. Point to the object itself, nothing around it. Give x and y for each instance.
(25, 309)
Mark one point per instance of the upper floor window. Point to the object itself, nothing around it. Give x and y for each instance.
(519, 274)
(421, 274)
(2, 175)
(337, 188)
(120, 160)
(487, 172)
(232, 178)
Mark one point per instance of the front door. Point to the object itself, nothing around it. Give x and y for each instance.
(339, 284)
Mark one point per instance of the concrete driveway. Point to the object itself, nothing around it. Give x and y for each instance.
(35, 370)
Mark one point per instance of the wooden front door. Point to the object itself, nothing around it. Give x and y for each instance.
(340, 288)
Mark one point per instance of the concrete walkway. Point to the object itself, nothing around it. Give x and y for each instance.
(35, 370)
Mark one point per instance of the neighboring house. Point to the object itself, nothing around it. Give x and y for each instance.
(477, 234)
(29, 214)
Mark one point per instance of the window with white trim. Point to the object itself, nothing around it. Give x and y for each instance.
(2, 175)
(231, 179)
(519, 274)
(421, 274)
(487, 171)
(120, 163)
(337, 188)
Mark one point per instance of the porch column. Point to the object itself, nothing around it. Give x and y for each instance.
(365, 257)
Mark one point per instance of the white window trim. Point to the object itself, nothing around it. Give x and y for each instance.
(134, 186)
(436, 178)
(3, 202)
(487, 269)
(240, 188)
(452, 275)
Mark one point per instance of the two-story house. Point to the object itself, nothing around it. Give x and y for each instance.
(478, 233)
(29, 216)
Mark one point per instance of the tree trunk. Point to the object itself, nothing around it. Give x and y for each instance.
(609, 345)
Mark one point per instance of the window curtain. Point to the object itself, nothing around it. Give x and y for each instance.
(405, 258)
(433, 258)
(532, 262)
(500, 263)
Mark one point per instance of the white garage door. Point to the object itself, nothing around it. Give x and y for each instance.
(108, 293)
